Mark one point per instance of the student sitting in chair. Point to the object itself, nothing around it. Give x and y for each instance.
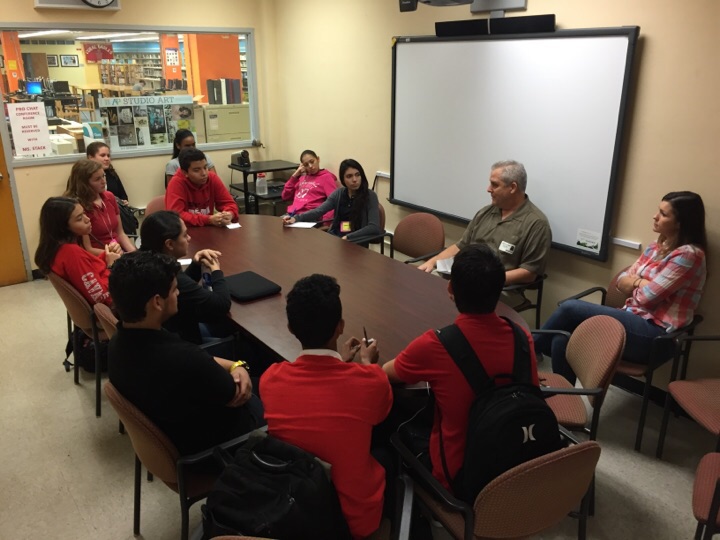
(88, 185)
(202, 313)
(196, 193)
(309, 186)
(198, 401)
(63, 224)
(100, 152)
(327, 402)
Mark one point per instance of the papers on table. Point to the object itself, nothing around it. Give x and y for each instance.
(233, 226)
(445, 265)
(302, 225)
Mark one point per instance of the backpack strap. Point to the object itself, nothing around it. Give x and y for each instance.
(522, 365)
(464, 357)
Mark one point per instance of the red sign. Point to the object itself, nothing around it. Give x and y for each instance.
(96, 52)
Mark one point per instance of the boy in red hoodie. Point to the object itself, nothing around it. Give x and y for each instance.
(196, 193)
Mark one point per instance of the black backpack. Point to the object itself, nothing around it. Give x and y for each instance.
(275, 490)
(508, 424)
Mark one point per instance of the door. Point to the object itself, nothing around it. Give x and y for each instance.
(12, 269)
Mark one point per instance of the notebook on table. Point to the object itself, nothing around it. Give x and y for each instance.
(247, 286)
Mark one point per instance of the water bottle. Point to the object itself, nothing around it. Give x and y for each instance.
(261, 184)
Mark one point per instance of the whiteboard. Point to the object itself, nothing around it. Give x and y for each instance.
(555, 102)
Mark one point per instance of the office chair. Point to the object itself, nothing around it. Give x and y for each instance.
(593, 352)
(419, 236)
(699, 398)
(521, 502)
(83, 317)
(706, 496)
(159, 455)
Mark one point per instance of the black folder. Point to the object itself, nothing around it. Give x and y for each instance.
(247, 286)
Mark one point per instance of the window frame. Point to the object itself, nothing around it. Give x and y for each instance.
(16, 163)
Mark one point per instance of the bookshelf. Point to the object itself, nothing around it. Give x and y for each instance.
(129, 67)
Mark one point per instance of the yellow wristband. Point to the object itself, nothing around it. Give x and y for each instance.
(240, 363)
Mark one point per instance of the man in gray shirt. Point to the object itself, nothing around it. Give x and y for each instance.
(512, 225)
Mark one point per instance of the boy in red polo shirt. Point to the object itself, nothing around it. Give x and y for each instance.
(327, 404)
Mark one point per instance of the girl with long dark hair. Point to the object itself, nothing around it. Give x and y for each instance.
(63, 223)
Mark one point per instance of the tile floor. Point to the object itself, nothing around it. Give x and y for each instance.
(65, 474)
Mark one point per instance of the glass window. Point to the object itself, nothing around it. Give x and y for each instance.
(134, 90)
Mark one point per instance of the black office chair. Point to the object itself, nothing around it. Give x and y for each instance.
(521, 288)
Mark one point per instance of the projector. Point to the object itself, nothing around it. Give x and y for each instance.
(445, 2)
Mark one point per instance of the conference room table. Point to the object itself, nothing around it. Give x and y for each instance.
(395, 302)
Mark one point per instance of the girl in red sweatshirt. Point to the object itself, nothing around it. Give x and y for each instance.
(63, 223)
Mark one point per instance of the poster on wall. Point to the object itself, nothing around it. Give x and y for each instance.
(29, 128)
(172, 57)
(97, 52)
(145, 122)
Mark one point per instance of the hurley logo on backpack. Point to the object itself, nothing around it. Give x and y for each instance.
(275, 490)
(507, 425)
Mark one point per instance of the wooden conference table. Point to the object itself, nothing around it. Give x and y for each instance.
(395, 302)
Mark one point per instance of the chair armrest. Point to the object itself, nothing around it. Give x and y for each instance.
(585, 293)
(549, 391)
(226, 339)
(700, 338)
(522, 286)
(427, 479)
(555, 332)
(371, 237)
(205, 454)
(423, 257)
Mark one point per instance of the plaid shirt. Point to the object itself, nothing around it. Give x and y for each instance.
(676, 283)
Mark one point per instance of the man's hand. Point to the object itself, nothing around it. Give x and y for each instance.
(243, 385)
(369, 354)
(208, 257)
(216, 220)
(349, 349)
(427, 266)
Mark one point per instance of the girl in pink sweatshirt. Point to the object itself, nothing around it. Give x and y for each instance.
(309, 186)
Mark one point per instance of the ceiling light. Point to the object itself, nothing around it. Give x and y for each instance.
(43, 33)
(108, 36)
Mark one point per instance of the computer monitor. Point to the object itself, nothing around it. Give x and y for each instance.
(33, 88)
(61, 87)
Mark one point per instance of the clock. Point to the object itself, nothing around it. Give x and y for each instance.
(99, 3)
(107, 5)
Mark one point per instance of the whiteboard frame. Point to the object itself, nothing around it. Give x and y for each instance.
(631, 33)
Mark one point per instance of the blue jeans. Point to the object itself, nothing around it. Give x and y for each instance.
(640, 334)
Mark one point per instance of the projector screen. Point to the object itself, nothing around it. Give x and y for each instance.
(555, 102)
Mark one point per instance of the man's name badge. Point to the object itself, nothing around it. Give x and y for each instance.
(505, 247)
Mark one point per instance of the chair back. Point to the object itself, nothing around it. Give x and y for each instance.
(594, 350)
(155, 205)
(381, 210)
(419, 234)
(615, 297)
(151, 445)
(107, 319)
(537, 494)
(77, 307)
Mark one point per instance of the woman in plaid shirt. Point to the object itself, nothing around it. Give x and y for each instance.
(663, 286)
